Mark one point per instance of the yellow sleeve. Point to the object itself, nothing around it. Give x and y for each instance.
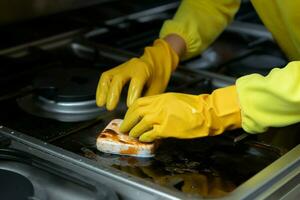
(282, 19)
(270, 101)
(200, 22)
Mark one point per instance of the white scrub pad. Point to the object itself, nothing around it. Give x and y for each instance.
(111, 140)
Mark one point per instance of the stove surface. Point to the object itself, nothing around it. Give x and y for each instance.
(49, 96)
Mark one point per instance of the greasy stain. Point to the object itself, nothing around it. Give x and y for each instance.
(113, 135)
(129, 151)
(127, 145)
(129, 160)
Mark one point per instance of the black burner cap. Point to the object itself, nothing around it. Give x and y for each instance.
(67, 84)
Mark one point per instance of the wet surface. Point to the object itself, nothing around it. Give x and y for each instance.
(209, 167)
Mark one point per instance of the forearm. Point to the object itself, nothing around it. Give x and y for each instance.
(271, 101)
(177, 43)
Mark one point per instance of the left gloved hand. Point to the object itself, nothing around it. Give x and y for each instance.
(151, 71)
(182, 115)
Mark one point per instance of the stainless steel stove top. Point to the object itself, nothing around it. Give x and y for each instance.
(55, 120)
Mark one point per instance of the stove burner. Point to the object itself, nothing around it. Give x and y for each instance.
(67, 84)
(61, 111)
(64, 94)
(15, 186)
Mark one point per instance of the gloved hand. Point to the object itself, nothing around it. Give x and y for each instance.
(152, 70)
(182, 115)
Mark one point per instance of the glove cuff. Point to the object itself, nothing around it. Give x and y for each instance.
(226, 109)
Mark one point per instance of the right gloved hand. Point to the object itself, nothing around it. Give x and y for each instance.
(182, 115)
(153, 70)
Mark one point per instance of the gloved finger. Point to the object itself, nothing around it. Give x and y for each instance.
(102, 89)
(132, 117)
(114, 91)
(135, 90)
(150, 136)
(135, 113)
(155, 88)
(143, 101)
(141, 127)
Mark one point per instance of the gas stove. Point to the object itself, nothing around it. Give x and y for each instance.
(49, 119)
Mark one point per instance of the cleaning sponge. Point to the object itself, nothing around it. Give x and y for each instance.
(111, 140)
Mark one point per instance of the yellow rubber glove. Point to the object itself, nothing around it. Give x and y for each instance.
(271, 101)
(182, 115)
(200, 22)
(152, 70)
